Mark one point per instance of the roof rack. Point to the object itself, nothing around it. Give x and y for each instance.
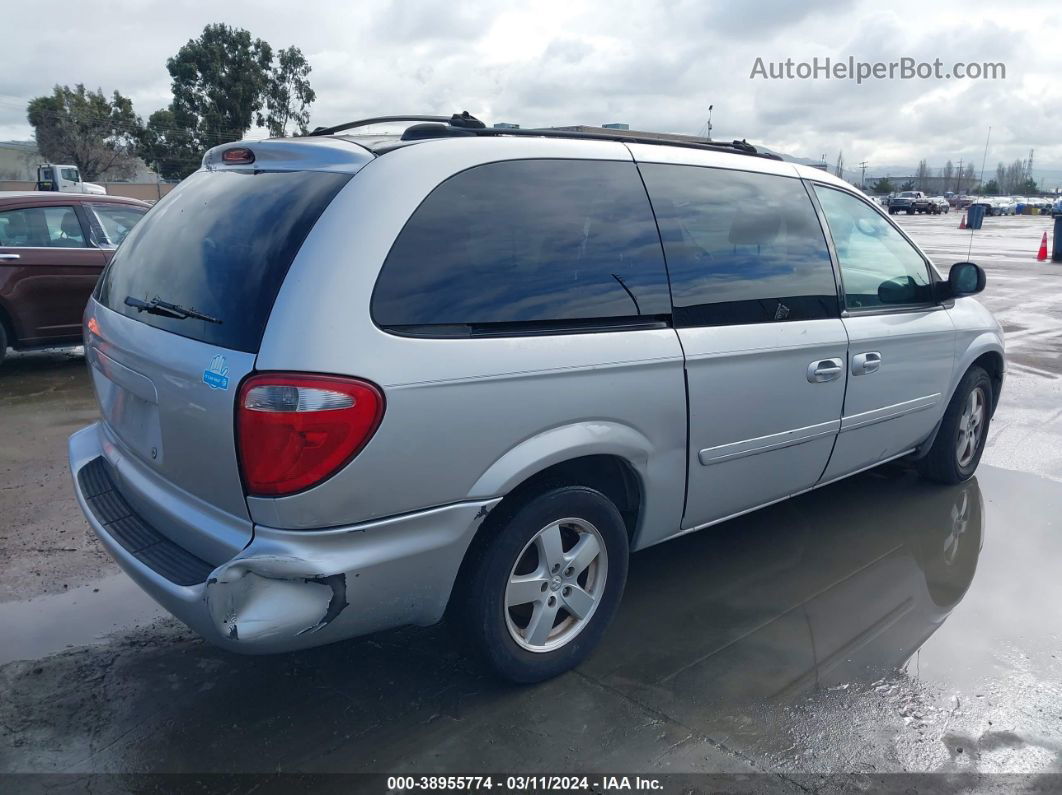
(464, 119)
(464, 124)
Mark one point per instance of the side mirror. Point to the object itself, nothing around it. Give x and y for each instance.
(965, 278)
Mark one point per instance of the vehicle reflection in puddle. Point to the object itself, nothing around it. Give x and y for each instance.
(842, 585)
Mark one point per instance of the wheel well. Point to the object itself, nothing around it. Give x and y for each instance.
(992, 363)
(609, 474)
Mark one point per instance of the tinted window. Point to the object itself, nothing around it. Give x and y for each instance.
(113, 222)
(41, 227)
(878, 265)
(741, 247)
(547, 242)
(220, 242)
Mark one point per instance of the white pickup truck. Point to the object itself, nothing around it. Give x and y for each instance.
(65, 179)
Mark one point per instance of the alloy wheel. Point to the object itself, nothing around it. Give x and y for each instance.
(555, 585)
(971, 427)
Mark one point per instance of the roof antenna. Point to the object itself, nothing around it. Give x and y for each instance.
(706, 130)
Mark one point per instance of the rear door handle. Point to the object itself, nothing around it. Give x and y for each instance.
(866, 363)
(825, 370)
(10, 256)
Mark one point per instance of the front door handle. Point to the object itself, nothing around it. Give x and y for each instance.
(10, 256)
(825, 370)
(866, 363)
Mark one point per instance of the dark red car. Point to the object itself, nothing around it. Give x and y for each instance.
(53, 247)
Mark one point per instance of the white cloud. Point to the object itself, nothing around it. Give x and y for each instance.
(655, 64)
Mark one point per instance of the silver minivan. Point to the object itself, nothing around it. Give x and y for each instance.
(350, 383)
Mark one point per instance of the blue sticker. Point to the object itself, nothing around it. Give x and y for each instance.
(217, 375)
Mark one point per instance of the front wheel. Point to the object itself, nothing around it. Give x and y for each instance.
(960, 441)
(538, 595)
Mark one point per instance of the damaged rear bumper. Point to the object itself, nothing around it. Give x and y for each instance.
(286, 590)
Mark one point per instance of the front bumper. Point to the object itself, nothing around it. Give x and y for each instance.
(285, 590)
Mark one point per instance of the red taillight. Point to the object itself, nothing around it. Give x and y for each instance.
(294, 431)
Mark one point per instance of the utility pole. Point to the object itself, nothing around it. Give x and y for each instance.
(958, 178)
(863, 179)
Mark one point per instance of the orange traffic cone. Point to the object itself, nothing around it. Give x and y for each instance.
(962, 223)
(1042, 253)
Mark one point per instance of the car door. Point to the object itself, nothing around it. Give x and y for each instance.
(901, 341)
(48, 270)
(757, 312)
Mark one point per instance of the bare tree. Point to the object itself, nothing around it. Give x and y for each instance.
(922, 176)
(839, 168)
(947, 173)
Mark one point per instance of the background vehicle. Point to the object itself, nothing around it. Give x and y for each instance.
(938, 205)
(518, 392)
(65, 179)
(910, 202)
(53, 247)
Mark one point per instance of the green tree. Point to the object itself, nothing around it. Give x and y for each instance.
(883, 185)
(991, 187)
(219, 81)
(908, 185)
(288, 94)
(1028, 187)
(168, 144)
(96, 134)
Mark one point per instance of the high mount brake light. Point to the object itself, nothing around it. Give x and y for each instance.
(294, 430)
(239, 154)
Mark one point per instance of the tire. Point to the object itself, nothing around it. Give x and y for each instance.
(911, 211)
(892, 211)
(948, 461)
(510, 635)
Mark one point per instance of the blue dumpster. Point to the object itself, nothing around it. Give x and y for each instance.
(975, 216)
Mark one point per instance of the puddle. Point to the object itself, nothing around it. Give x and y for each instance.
(79, 617)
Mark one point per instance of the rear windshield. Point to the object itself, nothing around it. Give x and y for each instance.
(220, 243)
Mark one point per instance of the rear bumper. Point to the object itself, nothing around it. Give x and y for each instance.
(285, 590)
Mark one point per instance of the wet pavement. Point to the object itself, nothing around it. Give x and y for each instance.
(878, 625)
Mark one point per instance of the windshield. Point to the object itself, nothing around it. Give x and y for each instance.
(219, 243)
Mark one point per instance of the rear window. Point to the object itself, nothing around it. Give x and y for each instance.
(220, 243)
(525, 246)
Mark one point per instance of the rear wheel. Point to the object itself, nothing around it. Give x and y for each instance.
(960, 441)
(539, 594)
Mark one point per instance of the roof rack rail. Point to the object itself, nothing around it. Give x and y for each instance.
(464, 119)
(465, 124)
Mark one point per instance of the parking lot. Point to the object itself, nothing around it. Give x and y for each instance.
(879, 625)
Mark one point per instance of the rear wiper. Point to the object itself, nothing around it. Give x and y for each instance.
(156, 306)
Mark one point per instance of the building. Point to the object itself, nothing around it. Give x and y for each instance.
(19, 160)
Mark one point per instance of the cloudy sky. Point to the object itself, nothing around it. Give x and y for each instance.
(656, 64)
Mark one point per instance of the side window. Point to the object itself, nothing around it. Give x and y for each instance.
(41, 227)
(741, 247)
(878, 266)
(70, 174)
(540, 242)
(113, 222)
